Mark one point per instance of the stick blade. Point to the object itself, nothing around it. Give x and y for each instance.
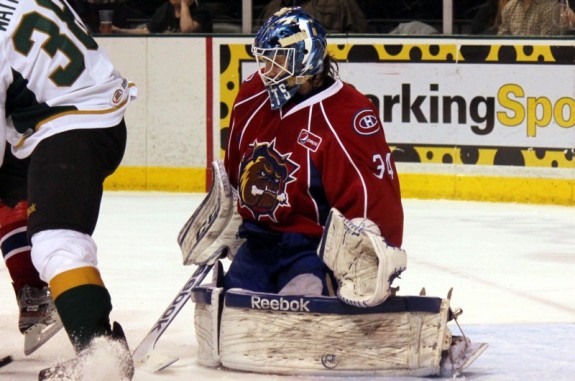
(155, 362)
(5, 361)
(154, 334)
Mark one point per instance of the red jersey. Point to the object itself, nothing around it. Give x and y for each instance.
(291, 165)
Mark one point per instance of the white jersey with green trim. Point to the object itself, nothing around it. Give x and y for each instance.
(53, 75)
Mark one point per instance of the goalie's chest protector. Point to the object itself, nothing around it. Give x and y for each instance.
(291, 165)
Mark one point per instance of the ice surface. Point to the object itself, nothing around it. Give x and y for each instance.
(512, 268)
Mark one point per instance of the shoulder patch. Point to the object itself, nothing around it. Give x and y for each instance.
(366, 122)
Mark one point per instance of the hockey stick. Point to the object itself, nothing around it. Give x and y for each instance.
(142, 352)
(5, 361)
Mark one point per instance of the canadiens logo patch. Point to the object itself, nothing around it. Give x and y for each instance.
(366, 122)
(309, 140)
(117, 96)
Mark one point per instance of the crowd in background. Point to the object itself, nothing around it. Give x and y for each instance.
(487, 17)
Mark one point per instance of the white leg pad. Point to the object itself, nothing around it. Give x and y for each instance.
(207, 323)
(56, 251)
(286, 334)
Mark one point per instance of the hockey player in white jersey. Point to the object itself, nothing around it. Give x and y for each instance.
(62, 106)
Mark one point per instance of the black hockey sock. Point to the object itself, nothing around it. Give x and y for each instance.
(85, 313)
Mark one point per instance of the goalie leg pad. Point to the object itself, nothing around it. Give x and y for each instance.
(207, 323)
(294, 334)
(362, 262)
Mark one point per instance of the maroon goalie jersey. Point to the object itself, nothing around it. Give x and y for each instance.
(290, 166)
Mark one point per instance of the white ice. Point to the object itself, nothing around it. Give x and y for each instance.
(512, 268)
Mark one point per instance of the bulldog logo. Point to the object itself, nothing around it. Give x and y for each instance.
(264, 175)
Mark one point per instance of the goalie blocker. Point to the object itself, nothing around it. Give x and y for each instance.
(293, 334)
(213, 224)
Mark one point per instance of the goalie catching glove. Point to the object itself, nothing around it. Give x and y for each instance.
(362, 262)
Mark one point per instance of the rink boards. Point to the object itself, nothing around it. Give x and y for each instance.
(467, 118)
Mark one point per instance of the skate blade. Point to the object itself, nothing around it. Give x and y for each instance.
(39, 334)
(475, 350)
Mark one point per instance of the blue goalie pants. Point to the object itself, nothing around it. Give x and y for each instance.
(267, 261)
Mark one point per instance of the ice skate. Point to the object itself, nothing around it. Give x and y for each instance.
(461, 354)
(36, 306)
(106, 358)
(38, 320)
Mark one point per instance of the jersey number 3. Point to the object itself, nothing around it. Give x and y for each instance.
(56, 41)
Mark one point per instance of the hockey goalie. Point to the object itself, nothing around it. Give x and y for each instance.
(366, 330)
(308, 205)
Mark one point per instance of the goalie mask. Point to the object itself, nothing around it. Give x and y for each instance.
(289, 48)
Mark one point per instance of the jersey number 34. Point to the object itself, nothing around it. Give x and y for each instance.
(383, 165)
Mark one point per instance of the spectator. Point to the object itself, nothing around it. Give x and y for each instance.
(528, 18)
(124, 12)
(147, 6)
(565, 17)
(175, 16)
(414, 27)
(336, 16)
(488, 17)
